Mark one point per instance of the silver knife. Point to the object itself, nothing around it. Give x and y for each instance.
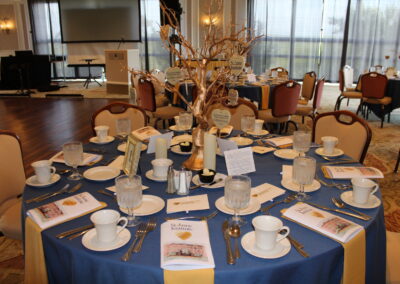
(73, 231)
(338, 211)
(340, 162)
(38, 198)
(208, 184)
(297, 246)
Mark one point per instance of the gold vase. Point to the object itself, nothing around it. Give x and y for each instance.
(196, 160)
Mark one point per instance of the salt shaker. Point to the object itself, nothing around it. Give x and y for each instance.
(170, 178)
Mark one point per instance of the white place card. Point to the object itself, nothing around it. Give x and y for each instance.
(151, 148)
(266, 192)
(188, 203)
(226, 145)
(240, 161)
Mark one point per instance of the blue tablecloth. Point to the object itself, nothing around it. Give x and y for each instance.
(69, 262)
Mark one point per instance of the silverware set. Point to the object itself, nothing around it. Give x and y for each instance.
(362, 217)
(230, 259)
(340, 186)
(202, 218)
(72, 234)
(141, 232)
(52, 194)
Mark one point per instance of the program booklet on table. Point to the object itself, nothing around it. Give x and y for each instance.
(65, 209)
(351, 172)
(328, 224)
(145, 133)
(185, 245)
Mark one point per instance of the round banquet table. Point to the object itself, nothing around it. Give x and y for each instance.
(70, 262)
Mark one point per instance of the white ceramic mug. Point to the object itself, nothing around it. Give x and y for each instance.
(101, 132)
(267, 230)
(363, 188)
(329, 144)
(160, 167)
(106, 221)
(258, 125)
(43, 170)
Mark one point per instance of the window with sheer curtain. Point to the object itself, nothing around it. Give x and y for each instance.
(305, 35)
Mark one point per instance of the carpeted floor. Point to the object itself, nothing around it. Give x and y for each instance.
(382, 154)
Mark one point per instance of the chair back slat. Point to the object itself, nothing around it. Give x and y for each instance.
(373, 85)
(318, 93)
(307, 90)
(284, 98)
(146, 95)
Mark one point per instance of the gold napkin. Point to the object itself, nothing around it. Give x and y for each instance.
(197, 276)
(35, 264)
(264, 97)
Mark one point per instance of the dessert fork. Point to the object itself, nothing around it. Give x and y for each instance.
(151, 225)
(139, 232)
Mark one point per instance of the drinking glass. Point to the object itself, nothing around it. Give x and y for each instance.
(301, 142)
(185, 120)
(129, 195)
(237, 196)
(123, 127)
(247, 123)
(73, 157)
(303, 174)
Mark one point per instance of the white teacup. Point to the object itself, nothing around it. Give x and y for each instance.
(363, 188)
(267, 230)
(43, 170)
(105, 222)
(258, 125)
(329, 144)
(160, 167)
(102, 132)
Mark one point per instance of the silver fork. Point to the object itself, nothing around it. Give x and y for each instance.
(48, 195)
(139, 232)
(151, 225)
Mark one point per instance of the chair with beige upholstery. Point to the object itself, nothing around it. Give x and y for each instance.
(354, 133)
(243, 107)
(312, 110)
(12, 182)
(283, 102)
(109, 115)
(307, 89)
(346, 92)
(373, 92)
(146, 99)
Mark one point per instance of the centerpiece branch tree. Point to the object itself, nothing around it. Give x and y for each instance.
(195, 62)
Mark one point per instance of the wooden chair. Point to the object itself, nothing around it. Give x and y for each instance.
(373, 92)
(283, 99)
(12, 183)
(146, 100)
(354, 133)
(347, 93)
(243, 107)
(311, 111)
(307, 89)
(109, 115)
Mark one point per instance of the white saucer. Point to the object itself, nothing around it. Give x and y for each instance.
(181, 138)
(122, 147)
(149, 175)
(196, 181)
(151, 204)
(286, 154)
(94, 140)
(254, 206)
(373, 202)
(261, 133)
(89, 241)
(242, 141)
(289, 184)
(176, 129)
(177, 150)
(32, 181)
(101, 173)
(281, 249)
(336, 152)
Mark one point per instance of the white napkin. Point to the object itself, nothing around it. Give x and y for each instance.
(266, 192)
(113, 189)
(117, 163)
(279, 141)
(262, 149)
(87, 158)
(188, 203)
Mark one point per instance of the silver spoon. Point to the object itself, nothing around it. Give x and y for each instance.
(340, 204)
(234, 232)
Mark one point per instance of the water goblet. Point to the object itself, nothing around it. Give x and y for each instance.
(129, 195)
(237, 196)
(303, 174)
(247, 123)
(73, 157)
(123, 127)
(301, 142)
(185, 120)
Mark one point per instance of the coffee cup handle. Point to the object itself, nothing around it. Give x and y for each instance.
(125, 222)
(374, 190)
(53, 170)
(280, 236)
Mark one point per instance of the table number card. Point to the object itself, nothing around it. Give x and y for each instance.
(152, 142)
(132, 155)
(226, 145)
(240, 161)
